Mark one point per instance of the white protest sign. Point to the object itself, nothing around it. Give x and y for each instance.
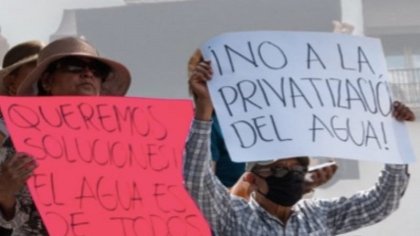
(287, 94)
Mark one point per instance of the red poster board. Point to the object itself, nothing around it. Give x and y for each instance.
(107, 165)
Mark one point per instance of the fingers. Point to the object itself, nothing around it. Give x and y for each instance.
(328, 173)
(196, 58)
(202, 71)
(198, 87)
(20, 166)
(25, 174)
(15, 171)
(320, 176)
(243, 188)
(200, 75)
(402, 112)
(342, 27)
(20, 160)
(251, 179)
(248, 177)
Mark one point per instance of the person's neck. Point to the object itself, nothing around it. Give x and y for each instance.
(281, 212)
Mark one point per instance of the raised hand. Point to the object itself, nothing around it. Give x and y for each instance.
(402, 113)
(13, 174)
(319, 176)
(199, 73)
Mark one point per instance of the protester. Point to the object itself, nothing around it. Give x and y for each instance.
(17, 63)
(226, 170)
(230, 173)
(275, 207)
(66, 67)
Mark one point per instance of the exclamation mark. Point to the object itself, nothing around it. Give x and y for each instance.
(384, 135)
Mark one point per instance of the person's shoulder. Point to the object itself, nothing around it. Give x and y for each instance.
(309, 208)
(239, 202)
(317, 204)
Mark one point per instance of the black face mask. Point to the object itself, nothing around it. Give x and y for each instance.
(286, 190)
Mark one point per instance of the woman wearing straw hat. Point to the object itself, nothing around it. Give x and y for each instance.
(65, 67)
(18, 62)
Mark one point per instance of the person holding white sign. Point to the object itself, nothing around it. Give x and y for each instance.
(275, 207)
(65, 67)
(230, 173)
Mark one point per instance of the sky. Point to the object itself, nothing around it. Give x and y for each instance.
(22, 20)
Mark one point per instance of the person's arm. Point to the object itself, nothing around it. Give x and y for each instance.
(208, 192)
(14, 172)
(374, 205)
(18, 217)
(367, 207)
(215, 144)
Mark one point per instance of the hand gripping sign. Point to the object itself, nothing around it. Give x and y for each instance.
(286, 94)
(107, 165)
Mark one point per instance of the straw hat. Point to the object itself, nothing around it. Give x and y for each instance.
(16, 57)
(116, 84)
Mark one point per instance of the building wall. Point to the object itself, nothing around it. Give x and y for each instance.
(156, 40)
(397, 24)
(391, 17)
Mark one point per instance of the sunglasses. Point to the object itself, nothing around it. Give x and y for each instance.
(77, 65)
(280, 172)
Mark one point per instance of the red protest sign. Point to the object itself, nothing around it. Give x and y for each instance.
(107, 165)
